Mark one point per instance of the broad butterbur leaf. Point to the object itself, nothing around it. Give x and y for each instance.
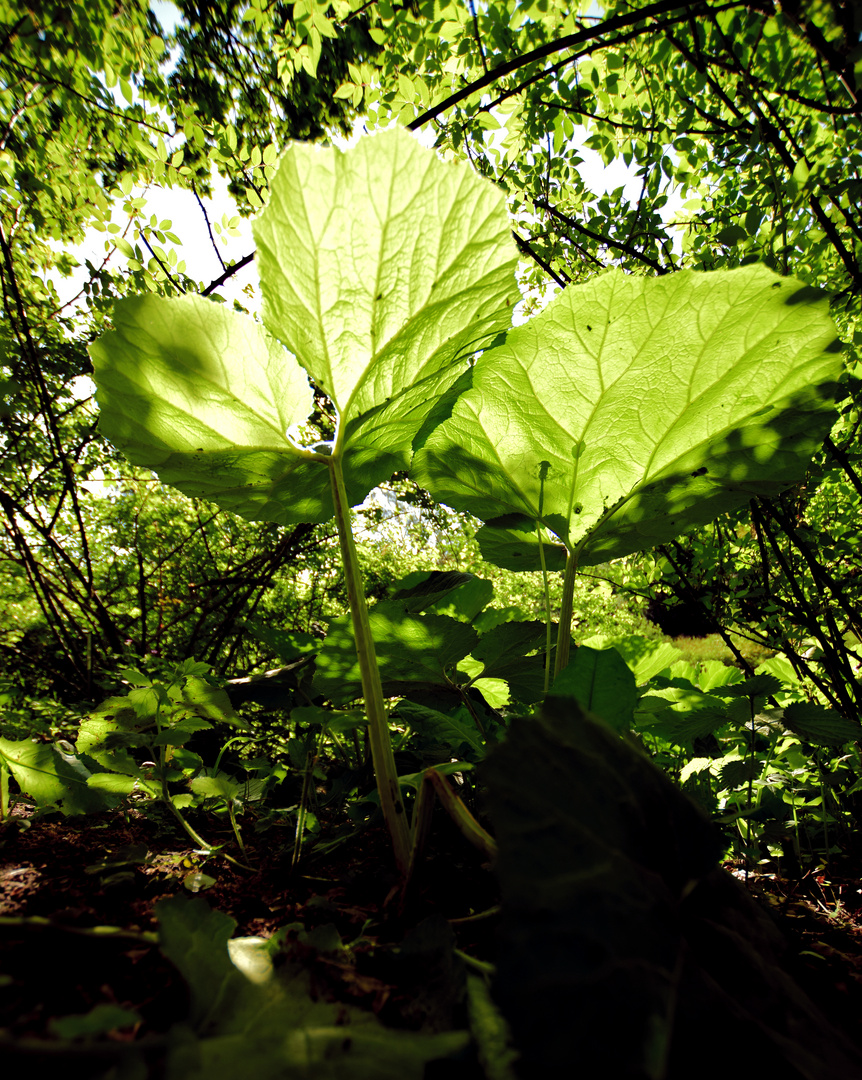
(205, 397)
(601, 682)
(412, 651)
(383, 270)
(632, 409)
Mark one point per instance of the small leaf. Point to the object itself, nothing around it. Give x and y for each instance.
(762, 685)
(197, 881)
(799, 177)
(452, 730)
(220, 786)
(731, 235)
(512, 541)
(98, 1021)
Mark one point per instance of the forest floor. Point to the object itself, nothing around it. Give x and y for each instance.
(110, 870)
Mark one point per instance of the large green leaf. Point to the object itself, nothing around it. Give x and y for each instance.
(383, 269)
(49, 777)
(816, 724)
(632, 409)
(412, 650)
(205, 397)
(601, 682)
(451, 729)
(247, 1018)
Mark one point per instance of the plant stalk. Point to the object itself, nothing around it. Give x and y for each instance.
(564, 630)
(391, 802)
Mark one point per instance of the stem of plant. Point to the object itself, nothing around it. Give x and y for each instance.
(564, 631)
(547, 593)
(391, 802)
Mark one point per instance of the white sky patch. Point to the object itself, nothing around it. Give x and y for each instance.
(168, 14)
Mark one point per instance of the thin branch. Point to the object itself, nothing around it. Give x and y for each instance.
(619, 245)
(176, 284)
(569, 41)
(554, 69)
(209, 227)
(49, 80)
(478, 36)
(21, 328)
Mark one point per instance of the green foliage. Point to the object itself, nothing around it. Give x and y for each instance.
(600, 681)
(51, 778)
(246, 1011)
(289, 64)
(382, 325)
(98, 107)
(746, 749)
(385, 300)
(703, 409)
(392, 286)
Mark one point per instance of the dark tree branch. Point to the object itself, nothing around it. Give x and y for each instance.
(569, 41)
(619, 245)
(176, 284)
(209, 227)
(561, 279)
(229, 273)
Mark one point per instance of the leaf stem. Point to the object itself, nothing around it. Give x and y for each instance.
(564, 631)
(378, 722)
(547, 592)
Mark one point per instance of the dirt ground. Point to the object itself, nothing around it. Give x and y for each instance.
(61, 877)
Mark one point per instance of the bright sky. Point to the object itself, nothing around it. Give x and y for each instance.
(188, 221)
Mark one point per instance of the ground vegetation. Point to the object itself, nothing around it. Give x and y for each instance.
(237, 690)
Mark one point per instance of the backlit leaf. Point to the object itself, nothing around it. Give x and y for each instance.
(632, 409)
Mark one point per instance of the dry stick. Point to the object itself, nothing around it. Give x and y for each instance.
(760, 523)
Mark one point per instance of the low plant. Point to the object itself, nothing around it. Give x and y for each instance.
(764, 759)
(628, 411)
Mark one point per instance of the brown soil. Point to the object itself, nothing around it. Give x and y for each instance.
(111, 870)
(65, 876)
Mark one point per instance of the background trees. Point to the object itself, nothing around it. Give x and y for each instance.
(740, 127)
(90, 109)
